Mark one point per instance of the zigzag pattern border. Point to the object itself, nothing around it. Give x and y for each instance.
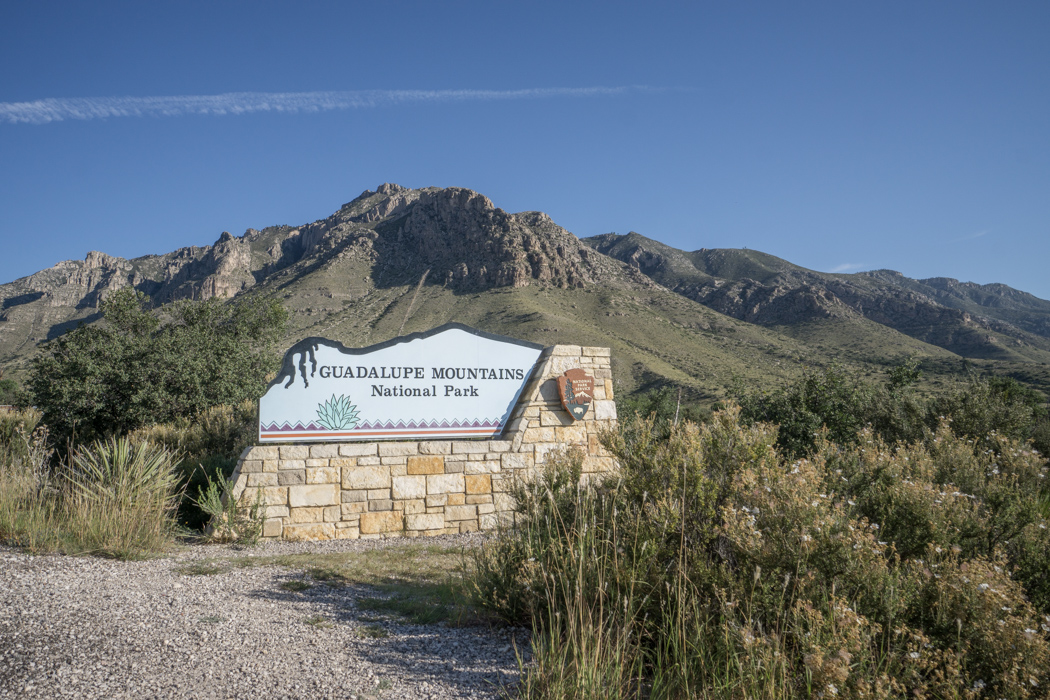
(493, 423)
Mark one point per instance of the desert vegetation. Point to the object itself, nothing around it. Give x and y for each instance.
(829, 538)
(135, 426)
(977, 406)
(114, 497)
(898, 552)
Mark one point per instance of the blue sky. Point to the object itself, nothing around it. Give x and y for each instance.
(840, 136)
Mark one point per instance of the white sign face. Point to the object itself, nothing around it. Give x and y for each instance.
(451, 382)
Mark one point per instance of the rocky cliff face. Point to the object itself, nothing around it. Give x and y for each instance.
(456, 236)
(468, 243)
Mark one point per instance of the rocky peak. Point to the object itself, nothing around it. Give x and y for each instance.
(95, 260)
(387, 237)
(467, 242)
(390, 188)
(459, 235)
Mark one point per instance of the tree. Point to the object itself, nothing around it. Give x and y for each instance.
(8, 390)
(828, 398)
(135, 368)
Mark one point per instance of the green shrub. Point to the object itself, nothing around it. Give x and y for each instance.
(828, 398)
(227, 519)
(130, 370)
(987, 405)
(712, 566)
(831, 399)
(10, 393)
(666, 405)
(210, 444)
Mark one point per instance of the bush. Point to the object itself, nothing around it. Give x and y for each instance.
(992, 405)
(210, 444)
(228, 520)
(825, 399)
(114, 498)
(666, 404)
(712, 566)
(131, 370)
(9, 391)
(833, 400)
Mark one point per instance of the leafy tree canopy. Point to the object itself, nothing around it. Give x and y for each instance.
(135, 368)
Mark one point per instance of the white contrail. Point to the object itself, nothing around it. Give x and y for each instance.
(60, 109)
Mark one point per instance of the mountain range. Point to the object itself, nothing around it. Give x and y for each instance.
(398, 260)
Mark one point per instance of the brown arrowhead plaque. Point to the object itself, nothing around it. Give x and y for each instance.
(576, 389)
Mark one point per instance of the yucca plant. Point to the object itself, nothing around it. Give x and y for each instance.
(124, 494)
(120, 472)
(337, 413)
(230, 521)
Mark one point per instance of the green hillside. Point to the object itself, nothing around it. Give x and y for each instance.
(395, 261)
(860, 317)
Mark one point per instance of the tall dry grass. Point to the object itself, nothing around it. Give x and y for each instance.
(29, 507)
(115, 497)
(711, 567)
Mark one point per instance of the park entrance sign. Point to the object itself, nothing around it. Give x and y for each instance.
(450, 382)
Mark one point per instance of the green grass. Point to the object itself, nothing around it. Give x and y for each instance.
(295, 586)
(372, 632)
(202, 568)
(428, 606)
(415, 583)
(318, 621)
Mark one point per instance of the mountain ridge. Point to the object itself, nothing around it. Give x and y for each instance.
(397, 260)
(971, 320)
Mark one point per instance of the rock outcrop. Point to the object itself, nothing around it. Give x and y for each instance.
(456, 236)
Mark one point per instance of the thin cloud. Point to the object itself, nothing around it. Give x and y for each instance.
(972, 236)
(846, 267)
(234, 103)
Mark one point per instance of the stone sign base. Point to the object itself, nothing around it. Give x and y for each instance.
(356, 490)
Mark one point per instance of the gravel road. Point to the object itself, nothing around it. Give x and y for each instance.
(83, 627)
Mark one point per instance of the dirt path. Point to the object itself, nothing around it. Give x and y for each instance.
(93, 628)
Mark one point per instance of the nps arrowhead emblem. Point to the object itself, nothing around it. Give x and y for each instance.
(576, 389)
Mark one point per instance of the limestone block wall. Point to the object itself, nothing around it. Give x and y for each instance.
(353, 490)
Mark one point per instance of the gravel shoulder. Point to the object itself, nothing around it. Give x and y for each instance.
(84, 627)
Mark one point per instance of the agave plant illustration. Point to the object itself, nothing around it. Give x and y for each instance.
(337, 413)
